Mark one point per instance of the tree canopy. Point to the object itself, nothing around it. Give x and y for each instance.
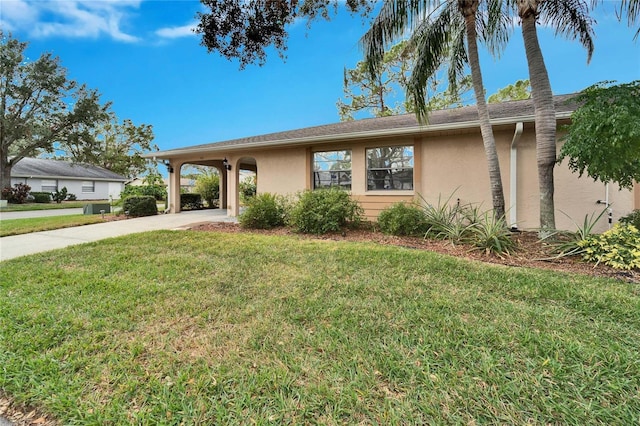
(244, 29)
(519, 90)
(39, 106)
(385, 93)
(113, 145)
(603, 138)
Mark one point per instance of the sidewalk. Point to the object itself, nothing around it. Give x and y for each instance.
(37, 242)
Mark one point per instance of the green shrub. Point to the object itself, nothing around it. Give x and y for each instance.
(71, 197)
(190, 201)
(619, 247)
(140, 206)
(60, 195)
(632, 218)
(248, 188)
(41, 197)
(325, 210)
(403, 219)
(264, 211)
(208, 186)
(157, 191)
(491, 234)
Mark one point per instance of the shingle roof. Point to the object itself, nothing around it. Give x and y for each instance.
(40, 167)
(437, 119)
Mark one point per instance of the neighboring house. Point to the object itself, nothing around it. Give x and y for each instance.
(391, 159)
(86, 181)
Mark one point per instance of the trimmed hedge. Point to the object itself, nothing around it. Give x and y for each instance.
(41, 197)
(191, 201)
(140, 206)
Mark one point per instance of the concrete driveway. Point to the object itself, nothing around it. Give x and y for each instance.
(37, 242)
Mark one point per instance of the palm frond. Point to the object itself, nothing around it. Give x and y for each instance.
(570, 18)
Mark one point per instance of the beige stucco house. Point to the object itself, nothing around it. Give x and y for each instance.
(385, 160)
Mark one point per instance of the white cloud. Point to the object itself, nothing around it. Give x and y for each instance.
(177, 32)
(69, 18)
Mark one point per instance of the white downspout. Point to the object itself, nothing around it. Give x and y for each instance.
(513, 177)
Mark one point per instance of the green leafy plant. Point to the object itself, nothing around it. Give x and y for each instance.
(403, 219)
(60, 195)
(491, 234)
(632, 218)
(41, 197)
(71, 197)
(156, 190)
(264, 211)
(248, 188)
(140, 206)
(446, 220)
(190, 201)
(325, 210)
(208, 186)
(619, 247)
(568, 243)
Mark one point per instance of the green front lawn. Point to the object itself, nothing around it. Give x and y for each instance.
(203, 328)
(36, 224)
(48, 206)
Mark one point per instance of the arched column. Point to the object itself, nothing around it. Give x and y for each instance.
(232, 177)
(174, 186)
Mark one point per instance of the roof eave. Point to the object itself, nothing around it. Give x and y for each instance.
(371, 134)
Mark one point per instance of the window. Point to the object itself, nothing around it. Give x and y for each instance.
(88, 186)
(49, 185)
(390, 168)
(332, 168)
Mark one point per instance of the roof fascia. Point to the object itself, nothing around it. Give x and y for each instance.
(371, 134)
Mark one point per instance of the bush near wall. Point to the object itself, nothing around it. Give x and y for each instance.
(41, 197)
(403, 219)
(140, 206)
(264, 211)
(325, 210)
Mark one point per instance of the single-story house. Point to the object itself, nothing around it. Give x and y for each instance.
(86, 181)
(390, 159)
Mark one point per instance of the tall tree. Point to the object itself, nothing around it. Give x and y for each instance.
(440, 30)
(243, 29)
(39, 106)
(113, 145)
(603, 138)
(519, 90)
(569, 18)
(384, 94)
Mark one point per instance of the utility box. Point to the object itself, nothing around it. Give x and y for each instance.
(95, 208)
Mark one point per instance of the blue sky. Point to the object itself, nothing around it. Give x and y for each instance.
(142, 56)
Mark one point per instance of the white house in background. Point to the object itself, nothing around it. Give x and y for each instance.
(86, 181)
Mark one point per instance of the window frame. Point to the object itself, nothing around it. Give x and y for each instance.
(407, 164)
(43, 186)
(316, 180)
(93, 186)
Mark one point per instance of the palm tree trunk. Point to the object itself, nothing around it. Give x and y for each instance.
(497, 193)
(545, 121)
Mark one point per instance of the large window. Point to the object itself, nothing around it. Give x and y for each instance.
(332, 168)
(390, 168)
(49, 185)
(88, 186)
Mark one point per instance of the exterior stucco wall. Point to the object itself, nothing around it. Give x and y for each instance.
(101, 188)
(447, 166)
